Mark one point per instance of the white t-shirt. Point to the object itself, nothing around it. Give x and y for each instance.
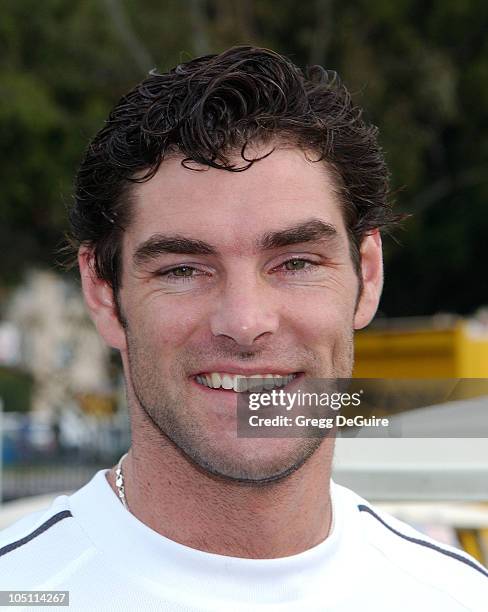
(91, 546)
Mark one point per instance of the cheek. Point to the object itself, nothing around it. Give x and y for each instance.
(321, 315)
(165, 325)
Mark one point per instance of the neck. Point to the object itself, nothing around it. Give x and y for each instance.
(175, 498)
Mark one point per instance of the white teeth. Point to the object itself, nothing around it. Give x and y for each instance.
(215, 380)
(227, 382)
(255, 383)
(269, 382)
(240, 383)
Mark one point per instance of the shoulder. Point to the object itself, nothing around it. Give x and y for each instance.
(410, 555)
(38, 545)
(30, 526)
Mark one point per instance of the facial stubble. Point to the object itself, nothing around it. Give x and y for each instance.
(176, 419)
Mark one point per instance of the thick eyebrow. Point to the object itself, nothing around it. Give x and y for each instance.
(159, 244)
(313, 230)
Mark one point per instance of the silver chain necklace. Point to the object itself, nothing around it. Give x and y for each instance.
(119, 482)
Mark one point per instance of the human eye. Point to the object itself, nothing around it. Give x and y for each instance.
(181, 274)
(297, 265)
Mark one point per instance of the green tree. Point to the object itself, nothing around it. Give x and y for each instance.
(420, 68)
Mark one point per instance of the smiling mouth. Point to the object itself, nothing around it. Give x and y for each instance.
(241, 384)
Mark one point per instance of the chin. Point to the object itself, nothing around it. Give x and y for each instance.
(256, 461)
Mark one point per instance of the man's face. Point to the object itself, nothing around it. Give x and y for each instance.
(234, 273)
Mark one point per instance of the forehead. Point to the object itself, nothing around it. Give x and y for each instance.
(231, 209)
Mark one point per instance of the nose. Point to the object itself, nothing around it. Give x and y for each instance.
(245, 312)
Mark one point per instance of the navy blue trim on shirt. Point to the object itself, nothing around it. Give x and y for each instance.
(448, 553)
(41, 529)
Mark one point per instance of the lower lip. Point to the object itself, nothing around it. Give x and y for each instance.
(232, 393)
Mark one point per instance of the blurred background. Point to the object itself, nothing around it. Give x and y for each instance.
(420, 69)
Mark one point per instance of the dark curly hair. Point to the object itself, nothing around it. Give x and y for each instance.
(206, 110)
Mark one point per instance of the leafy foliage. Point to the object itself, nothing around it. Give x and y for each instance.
(420, 68)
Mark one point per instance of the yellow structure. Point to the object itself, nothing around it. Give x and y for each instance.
(436, 348)
(423, 348)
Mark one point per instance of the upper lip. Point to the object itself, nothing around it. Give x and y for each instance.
(230, 369)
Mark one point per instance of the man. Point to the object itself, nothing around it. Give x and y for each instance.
(227, 220)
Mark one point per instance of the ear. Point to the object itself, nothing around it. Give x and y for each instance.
(372, 274)
(100, 300)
